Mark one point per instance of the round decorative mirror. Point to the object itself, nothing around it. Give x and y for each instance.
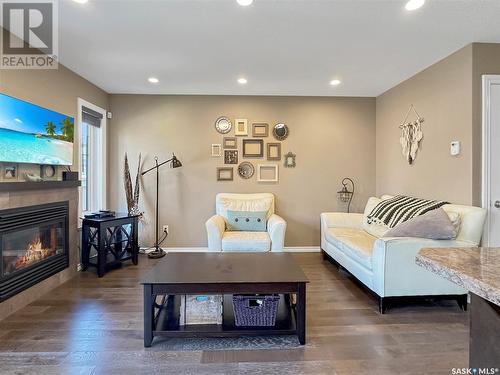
(223, 125)
(246, 170)
(280, 131)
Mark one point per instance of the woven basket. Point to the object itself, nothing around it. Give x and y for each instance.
(255, 310)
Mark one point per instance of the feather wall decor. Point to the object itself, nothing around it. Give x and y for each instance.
(411, 136)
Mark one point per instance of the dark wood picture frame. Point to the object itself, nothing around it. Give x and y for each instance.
(230, 156)
(229, 142)
(248, 142)
(260, 130)
(222, 170)
(270, 146)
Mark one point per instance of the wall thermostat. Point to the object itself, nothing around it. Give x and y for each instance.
(455, 148)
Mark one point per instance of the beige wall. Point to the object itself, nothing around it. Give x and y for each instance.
(486, 60)
(442, 94)
(332, 137)
(449, 96)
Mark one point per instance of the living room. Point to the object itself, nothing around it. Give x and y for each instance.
(330, 164)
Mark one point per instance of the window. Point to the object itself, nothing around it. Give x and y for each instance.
(92, 137)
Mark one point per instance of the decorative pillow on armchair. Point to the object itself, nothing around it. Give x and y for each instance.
(247, 221)
(435, 225)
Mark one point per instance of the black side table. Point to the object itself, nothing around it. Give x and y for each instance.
(114, 240)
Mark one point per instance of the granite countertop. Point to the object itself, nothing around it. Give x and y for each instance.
(475, 269)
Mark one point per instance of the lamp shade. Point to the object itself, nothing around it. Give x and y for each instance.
(175, 163)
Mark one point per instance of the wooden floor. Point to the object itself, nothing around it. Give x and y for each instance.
(94, 326)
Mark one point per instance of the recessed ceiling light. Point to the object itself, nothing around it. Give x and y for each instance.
(153, 80)
(242, 81)
(414, 4)
(335, 82)
(81, 1)
(244, 3)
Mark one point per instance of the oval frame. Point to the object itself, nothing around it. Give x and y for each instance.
(281, 137)
(217, 125)
(246, 164)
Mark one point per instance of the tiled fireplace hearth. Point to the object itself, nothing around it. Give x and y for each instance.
(39, 246)
(33, 245)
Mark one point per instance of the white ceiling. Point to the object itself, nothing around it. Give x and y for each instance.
(283, 47)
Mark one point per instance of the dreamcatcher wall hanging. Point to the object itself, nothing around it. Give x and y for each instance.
(411, 135)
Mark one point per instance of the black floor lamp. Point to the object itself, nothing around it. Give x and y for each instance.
(174, 163)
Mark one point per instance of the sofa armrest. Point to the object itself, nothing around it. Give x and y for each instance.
(216, 226)
(395, 272)
(276, 227)
(341, 220)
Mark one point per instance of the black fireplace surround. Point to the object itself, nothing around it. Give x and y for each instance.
(33, 245)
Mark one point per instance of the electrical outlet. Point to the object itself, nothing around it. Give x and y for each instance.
(165, 229)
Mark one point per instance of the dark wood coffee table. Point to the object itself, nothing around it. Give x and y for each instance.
(227, 274)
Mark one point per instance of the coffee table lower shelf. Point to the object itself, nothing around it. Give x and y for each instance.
(166, 322)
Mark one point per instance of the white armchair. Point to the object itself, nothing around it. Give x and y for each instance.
(221, 240)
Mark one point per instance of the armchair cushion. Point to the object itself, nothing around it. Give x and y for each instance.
(246, 241)
(250, 221)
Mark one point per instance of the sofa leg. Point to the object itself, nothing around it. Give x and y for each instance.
(462, 302)
(382, 305)
(323, 253)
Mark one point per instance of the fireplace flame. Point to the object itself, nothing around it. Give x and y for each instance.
(33, 254)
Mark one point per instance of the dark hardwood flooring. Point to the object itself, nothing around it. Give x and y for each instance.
(94, 326)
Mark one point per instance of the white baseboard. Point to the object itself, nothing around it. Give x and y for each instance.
(291, 249)
(302, 249)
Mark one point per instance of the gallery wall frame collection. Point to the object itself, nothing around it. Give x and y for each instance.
(251, 148)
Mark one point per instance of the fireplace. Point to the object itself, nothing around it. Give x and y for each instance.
(33, 245)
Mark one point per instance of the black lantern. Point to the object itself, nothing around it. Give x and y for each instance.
(345, 195)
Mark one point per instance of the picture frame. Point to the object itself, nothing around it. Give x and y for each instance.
(10, 172)
(230, 156)
(230, 142)
(274, 151)
(246, 170)
(216, 150)
(289, 160)
(253, 148)
(241, 127)
(267, 173)
(260, 130)
(225, 174)
(223, 125)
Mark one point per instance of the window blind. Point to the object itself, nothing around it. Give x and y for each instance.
(91, 117)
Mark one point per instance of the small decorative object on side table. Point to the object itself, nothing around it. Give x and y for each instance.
(109, 235)
(345, 195)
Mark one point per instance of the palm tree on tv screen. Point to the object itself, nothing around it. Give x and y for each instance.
(50, 128)
(67, 129)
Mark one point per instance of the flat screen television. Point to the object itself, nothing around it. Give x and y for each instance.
(32, 134)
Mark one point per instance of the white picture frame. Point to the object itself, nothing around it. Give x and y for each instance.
(267, 173)
(216, 150)
(240, 127)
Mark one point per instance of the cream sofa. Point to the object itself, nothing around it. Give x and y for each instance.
(221, 240)
(387, 265)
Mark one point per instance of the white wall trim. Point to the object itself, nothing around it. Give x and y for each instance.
(292, 249)
(103, 148)
(488, 81)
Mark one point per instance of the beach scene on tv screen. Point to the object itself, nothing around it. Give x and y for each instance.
(32, 134)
